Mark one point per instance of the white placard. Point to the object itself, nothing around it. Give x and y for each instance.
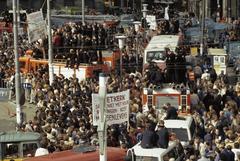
(151, 20)
(36, 26)
(117, 110)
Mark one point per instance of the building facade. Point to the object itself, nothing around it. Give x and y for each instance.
(225, 9)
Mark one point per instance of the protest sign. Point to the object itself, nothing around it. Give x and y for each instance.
(36, 26)
(117, 108)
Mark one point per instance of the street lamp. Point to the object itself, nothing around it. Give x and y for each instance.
(121, 44)
(144, 11)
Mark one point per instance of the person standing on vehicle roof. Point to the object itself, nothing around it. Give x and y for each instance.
(171, 112)
(149, 137)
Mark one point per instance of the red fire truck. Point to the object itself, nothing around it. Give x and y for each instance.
(176, 96)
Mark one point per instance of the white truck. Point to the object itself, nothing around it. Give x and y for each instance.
(155, 50)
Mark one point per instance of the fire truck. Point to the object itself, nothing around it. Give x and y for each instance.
(110, 61)
(175, 95)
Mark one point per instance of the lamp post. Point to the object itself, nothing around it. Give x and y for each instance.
(17, 71)
(50, 51)
(121, 44)
(144, 11)
(102, 127)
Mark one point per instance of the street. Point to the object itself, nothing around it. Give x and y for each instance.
(8, 118)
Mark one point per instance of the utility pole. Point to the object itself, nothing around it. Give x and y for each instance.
(203, 28)
(50, 51)
(102, 127)
(17, 71)
(83, 11)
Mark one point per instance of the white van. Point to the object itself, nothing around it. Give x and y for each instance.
(184, 129)
(174, 150)
(155, 50)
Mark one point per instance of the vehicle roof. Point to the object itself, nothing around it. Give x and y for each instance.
(18, 136)
(213, 51)
(178, 123)
(152, 152)
(113, 154)
(162, 41)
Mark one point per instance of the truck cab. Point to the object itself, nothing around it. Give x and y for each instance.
(174, 150)
(18, 145)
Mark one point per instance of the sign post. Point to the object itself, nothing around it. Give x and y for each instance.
(102, 128)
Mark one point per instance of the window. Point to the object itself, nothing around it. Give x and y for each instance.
(181, 133)
(29, 149)
(11, 151)
(222, 60)
(156, 55)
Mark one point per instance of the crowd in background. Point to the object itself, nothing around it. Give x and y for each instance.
(64, 113)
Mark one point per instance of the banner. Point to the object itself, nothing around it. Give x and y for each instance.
(117, 108)
(36, 26)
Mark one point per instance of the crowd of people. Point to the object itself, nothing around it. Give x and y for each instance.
(64, 112)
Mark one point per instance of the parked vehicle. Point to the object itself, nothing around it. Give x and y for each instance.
(155, 50)
(183, 128)
(174, 150)
(18, 145)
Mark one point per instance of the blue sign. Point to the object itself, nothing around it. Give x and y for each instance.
(27, 85)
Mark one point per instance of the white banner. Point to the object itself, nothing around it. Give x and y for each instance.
(151, 20)
(36, 26)
(117, 108)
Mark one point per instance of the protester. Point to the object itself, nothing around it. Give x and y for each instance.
(163, 135)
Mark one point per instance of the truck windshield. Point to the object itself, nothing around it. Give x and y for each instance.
(181, 133)
(156, 55)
